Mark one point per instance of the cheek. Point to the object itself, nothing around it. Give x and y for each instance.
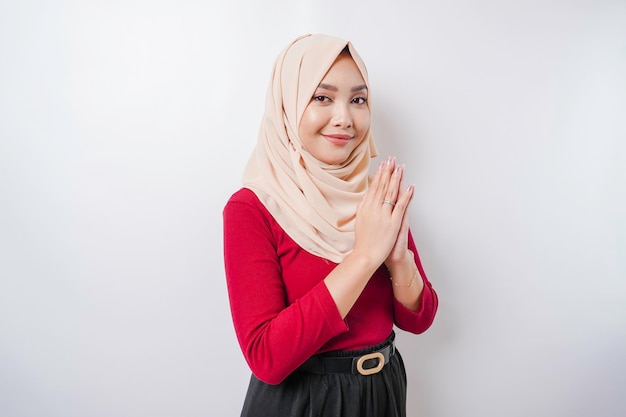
(312, 121)
(363, 121)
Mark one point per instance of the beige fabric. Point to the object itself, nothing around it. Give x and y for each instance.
(315, 203)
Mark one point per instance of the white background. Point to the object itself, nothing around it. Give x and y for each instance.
(125, 126)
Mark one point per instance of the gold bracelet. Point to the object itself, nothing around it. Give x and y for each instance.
(405, 286)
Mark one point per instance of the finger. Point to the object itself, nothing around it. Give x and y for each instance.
(394, 185)
(385, 170)
(403, 201)
(385, 179)
(380, 183)
(404, 227)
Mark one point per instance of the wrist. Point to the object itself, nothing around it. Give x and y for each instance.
(362, 261)
(401, 262)
(407, 285)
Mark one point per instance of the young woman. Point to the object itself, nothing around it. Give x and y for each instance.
(319, 259)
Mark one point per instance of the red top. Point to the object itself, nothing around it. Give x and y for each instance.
(282, 310)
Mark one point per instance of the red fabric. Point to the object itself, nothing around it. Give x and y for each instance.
(282, 310)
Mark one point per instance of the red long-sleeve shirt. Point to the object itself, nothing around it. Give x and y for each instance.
(282, 310)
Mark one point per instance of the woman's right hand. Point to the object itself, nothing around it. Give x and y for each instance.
(378, 221)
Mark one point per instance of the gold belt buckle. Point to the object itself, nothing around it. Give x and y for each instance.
(374, 370)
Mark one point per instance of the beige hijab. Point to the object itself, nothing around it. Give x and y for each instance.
(315, 203)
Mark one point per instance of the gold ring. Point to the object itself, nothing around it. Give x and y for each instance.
(391, 203)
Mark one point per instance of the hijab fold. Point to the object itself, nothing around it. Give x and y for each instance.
(315, 203)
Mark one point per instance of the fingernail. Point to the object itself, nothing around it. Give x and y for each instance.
(388, 160)
(381, 165)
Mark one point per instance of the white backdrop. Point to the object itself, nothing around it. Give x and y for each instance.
(125, 125)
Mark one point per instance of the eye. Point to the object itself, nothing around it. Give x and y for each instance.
(321, 99)
(359, 100)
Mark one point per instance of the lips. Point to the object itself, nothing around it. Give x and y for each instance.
(338, 139)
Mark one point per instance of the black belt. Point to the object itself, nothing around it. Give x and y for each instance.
(367, 364)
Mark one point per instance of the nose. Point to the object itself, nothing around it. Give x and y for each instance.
(342, 117)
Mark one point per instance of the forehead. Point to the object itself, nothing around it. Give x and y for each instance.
(343, 71)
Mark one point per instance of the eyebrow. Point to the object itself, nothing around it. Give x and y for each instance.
(333, 88)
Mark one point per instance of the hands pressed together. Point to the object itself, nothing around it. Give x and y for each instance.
(381, 235)
(382, 224)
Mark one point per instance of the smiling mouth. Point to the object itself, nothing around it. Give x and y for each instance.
(339, 140)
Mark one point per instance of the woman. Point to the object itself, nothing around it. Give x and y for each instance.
(319, 259)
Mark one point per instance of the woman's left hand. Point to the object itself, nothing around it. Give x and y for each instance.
(400, 249)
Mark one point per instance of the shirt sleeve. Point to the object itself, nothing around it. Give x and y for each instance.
(417, 321)
(275, 338)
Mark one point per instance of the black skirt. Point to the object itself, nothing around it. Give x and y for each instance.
(305, 394)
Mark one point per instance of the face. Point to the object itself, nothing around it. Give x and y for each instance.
(337, 118)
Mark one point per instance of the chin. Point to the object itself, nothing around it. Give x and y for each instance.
(337, 160)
